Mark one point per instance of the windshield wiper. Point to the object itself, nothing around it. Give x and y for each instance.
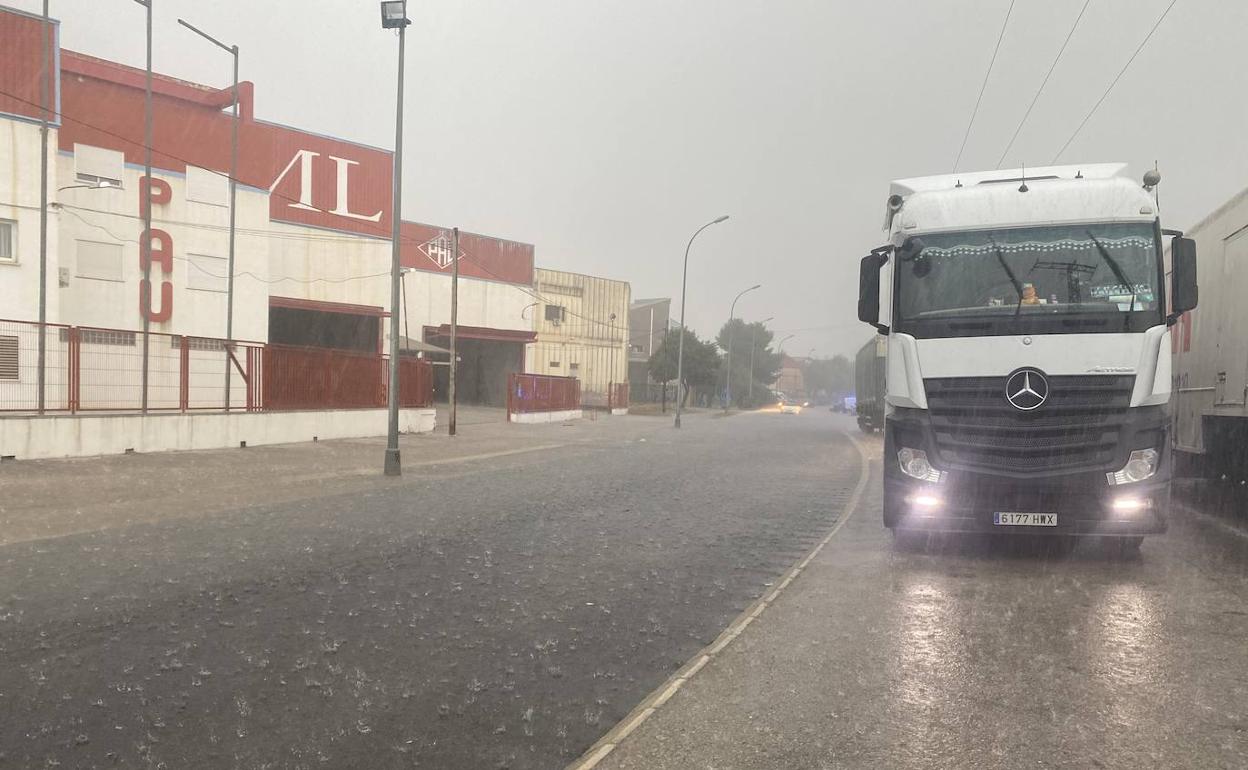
(1121, 276)
(1018, 286)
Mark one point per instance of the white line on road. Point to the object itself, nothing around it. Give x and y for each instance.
(661, 695)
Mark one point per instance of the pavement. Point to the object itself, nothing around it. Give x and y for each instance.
(501, 605)
(970, 653)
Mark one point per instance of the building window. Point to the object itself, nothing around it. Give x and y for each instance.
(206, 272)
(8, 240)
(574, 368)
(101, 337)
(555, 313)
(8, 358)
(555, 288)
(93, 165)
(554, 364)
(99, 261)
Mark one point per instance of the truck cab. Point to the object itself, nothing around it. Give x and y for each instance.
(1028, 376)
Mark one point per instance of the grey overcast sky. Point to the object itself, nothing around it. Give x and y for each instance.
(606, 131)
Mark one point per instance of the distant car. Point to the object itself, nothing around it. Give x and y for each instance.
(788, 406)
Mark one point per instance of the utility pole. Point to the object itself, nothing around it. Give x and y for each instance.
(394, 15)
(229, 281)
(452, 402)
(44, 99)
(754, 344)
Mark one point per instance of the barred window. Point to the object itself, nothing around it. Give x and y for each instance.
(100, 337)
(8, 357)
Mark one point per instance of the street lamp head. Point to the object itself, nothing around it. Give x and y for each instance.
(755, 286)
(721, 219)
(394, 14)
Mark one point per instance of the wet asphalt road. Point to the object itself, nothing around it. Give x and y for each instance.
(979, 653)
(496, 613)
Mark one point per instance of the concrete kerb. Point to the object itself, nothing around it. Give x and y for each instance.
(664, 692)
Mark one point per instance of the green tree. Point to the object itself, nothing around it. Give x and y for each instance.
(701, 361)
(765, 363)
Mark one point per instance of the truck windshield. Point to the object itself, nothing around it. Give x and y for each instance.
(1069, 278)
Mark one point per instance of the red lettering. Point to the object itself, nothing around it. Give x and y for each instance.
(161, 251)
(155, 191)
(166, 301)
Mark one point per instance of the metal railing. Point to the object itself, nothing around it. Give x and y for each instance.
(617, 395)
(100, 369)
(542, 393)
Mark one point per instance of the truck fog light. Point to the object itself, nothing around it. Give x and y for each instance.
(914, 464)
(1142, 464)
(1130, 504)
(925, 502)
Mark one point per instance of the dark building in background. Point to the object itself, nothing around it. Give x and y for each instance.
(647, 323)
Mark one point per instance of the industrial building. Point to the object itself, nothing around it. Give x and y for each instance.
(648, 321)
(580, 331)
(313, 247)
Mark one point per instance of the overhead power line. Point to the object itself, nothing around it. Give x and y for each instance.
(1136, 53)
(1044, 82)
(984, 85)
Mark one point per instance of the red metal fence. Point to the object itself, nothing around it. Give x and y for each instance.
(617, 395)
(96, 369)
(542, 393)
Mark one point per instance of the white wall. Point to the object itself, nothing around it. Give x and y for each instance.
(19, 202)
(112, 216)
(29, 438)
(588, 343)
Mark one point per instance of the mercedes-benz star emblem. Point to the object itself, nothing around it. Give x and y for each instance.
(1027, 389)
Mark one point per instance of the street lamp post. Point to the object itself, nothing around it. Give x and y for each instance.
(146, 203)
(754, 344)
(394, 16)
(44, 99)
(732, 313)
(680, 348)
(229, 281)
(780, 347)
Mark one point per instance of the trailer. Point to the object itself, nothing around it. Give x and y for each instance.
(869, 384)
(1210, 346)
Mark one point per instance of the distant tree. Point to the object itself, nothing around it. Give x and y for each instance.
(766, 364)
(701, 364)
(832, 376)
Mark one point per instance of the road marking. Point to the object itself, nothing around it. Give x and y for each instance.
(661, 695)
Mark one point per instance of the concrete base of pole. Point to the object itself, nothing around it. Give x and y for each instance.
(394, 467)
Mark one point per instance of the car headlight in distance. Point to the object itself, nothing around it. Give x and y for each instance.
(1142, 464)
(915, 465)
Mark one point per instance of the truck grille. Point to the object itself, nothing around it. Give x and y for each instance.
(1077, 428)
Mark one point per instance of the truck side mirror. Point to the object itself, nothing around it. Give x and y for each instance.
(869, 290)
(1184, 291)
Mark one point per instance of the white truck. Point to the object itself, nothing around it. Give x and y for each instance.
(1028, 358)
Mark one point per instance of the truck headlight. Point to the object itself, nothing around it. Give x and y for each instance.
(1142, 464)
(915, 465)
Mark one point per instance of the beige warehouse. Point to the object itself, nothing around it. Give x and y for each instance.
(581, 322)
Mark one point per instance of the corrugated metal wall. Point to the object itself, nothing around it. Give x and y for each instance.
(589, 339)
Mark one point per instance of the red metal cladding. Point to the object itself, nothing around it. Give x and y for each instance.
(428, 247)
(20, 51)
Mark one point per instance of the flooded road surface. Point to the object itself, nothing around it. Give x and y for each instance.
(499, 612)
(979, 653)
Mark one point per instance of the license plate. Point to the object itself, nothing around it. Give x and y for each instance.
(1009, 519)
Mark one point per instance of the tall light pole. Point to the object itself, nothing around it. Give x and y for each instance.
(45, 80)
(394, 16)
(229, 281)
(680, 348)
(754, 344)
(780, 347)
(732, 313)
(145, 190)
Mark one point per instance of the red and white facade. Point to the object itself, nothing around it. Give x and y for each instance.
(313, 220)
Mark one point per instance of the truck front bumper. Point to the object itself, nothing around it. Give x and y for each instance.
(973, 505)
